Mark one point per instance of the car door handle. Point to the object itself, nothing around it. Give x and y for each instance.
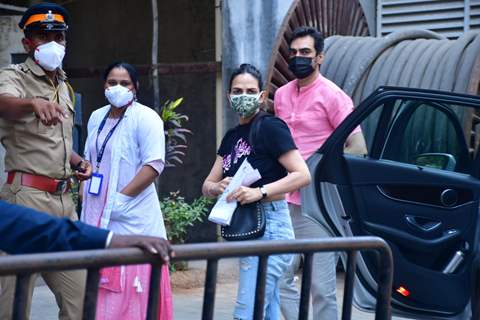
(423, 224)
(414, 242)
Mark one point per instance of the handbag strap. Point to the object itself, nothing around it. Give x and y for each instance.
(255, 128)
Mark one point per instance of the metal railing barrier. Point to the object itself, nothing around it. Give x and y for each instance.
(23, 266)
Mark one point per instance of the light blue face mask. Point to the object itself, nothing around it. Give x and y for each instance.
(245, 104)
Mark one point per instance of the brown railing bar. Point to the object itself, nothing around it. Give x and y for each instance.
(306, 284)
(154, 291)
(260, 288)
(16, 264)
(91, 294)
(21, 293)
(24, 265)
(209, 289)
(383, 309)
(33, 263)
(348, 285)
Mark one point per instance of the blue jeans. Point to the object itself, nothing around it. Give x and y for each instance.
(323, 285)
(278, 227)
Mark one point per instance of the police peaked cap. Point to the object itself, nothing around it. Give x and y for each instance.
(45, 16)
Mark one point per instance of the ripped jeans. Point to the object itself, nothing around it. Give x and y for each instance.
(278, 227)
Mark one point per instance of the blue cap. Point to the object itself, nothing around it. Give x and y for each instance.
(45, 16)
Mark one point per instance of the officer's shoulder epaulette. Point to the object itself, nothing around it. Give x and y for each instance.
(21, 67)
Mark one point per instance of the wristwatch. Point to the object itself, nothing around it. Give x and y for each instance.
(263, 190)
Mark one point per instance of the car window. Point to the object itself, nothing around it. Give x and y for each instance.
(423, 133)
(373, 134)
(430, 134)
(369, 127)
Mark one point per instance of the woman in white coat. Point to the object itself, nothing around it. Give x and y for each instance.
(126, 145)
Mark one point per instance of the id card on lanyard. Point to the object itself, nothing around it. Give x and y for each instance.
(95, 183)
(97, 178)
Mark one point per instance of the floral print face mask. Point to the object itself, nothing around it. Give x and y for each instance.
(245, 104)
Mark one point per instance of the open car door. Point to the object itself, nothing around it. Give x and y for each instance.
(417, 187)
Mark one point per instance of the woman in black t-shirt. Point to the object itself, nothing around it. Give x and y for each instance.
(282, 169)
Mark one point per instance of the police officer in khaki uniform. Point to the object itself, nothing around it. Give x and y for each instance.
(36, 130)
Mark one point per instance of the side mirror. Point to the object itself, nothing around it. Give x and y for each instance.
(442, 161)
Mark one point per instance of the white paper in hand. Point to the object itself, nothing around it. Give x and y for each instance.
(251, 177)
(222, 211)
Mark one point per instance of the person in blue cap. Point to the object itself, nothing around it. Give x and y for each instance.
(37, 111)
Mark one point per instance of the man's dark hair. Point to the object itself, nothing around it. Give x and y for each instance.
(301, 32)
(28, 34)
(132, 72)
(246, 68)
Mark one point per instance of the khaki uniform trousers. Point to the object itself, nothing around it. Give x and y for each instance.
(69, 286)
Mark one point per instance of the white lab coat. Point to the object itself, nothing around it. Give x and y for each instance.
(139, 139)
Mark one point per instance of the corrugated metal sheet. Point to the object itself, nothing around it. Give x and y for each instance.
(450, 18)
(475, 15)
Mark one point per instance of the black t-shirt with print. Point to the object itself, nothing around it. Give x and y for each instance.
(273, 140)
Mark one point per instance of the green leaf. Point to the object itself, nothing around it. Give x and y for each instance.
(179, 215)
(176, 103)
(175, 133)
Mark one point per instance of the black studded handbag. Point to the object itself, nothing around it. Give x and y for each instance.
(248, 223)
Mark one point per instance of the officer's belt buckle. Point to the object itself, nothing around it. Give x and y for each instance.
(62, 186)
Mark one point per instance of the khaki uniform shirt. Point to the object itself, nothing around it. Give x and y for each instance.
(31, 146)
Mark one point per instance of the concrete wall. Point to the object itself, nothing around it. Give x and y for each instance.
(250, 28)
(10, 37)
(370, 9)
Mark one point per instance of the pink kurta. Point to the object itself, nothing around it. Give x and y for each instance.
(123, 293)
(312, 113)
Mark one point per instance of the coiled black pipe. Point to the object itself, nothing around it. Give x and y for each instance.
(411, 58)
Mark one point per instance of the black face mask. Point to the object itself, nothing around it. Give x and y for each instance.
(301, 67)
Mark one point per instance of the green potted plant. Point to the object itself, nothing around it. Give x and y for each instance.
(175, 134)
(179, 216)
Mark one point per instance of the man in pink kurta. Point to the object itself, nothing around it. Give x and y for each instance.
(312, 106)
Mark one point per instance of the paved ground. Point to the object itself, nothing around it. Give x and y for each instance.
(187, 302)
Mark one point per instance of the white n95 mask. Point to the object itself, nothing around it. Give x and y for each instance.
(119, 96)
(49, 55)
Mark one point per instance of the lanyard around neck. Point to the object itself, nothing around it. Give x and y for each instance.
(109, 135)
